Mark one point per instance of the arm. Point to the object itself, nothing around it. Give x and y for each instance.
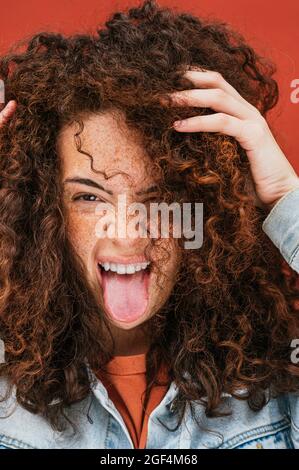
(282, 227)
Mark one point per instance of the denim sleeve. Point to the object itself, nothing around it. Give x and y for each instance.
(282, 227)
(293, 412)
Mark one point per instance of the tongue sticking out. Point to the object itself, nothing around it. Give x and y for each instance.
(125, 295)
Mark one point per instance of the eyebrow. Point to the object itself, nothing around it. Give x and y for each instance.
(89, 182)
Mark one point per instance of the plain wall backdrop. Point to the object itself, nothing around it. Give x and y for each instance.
(270, 27)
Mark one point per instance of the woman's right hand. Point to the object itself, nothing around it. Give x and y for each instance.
(7, 111)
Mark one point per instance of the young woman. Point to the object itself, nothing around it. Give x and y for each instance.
(126, 342)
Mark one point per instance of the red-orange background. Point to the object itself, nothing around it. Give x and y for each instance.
(270, 27)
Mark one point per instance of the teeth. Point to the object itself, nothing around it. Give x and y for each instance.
(106, 266)
(131, 269)
(121, 269)
(113, 267)
(124, 268)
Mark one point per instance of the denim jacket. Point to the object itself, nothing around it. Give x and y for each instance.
(101, 426)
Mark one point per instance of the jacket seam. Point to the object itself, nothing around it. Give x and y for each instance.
(108, 432)
(269, 435)
(254, 433)
(7, 440)
(294, 425)
(295, 253)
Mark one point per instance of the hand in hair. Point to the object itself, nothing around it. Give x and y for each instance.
(7, 111)
(272, 174)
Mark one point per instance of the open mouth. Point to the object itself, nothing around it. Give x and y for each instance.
(125, 289)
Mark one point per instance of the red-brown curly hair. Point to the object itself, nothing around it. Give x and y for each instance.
(232, 313)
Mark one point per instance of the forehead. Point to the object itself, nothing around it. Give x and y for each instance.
(115, 149)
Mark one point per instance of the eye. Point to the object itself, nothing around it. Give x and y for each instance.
(87, 197)
(152, 199)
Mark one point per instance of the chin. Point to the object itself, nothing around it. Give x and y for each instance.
(128, 325)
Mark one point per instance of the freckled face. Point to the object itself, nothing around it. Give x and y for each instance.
(128, 291)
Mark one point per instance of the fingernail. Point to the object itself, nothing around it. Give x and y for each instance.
(178, 123)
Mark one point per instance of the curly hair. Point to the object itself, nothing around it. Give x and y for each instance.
(234, 307)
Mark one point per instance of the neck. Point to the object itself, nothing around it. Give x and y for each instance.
(129, 342)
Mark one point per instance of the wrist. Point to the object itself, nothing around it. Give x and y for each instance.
(292, 187)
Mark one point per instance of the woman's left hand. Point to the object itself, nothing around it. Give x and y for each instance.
(272, 173)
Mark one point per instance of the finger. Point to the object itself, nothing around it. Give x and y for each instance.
(216, 99)
(7, 112)
(213, 79)
(219, 122)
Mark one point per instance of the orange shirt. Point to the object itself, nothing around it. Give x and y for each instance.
(125, 381)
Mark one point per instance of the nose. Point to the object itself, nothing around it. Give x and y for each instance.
(128, 232)
(130, 236)
(129, 245)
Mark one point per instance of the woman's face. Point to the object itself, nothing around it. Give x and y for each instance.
(127, 290)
